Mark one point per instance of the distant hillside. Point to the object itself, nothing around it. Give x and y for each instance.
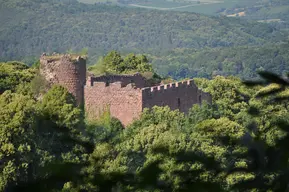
(240, 61)
(30, 27)
(210, 7)
(274, 11)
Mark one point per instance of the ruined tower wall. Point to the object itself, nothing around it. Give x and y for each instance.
(206, 97)
(66, 70)
(181, 95)
(124, 103)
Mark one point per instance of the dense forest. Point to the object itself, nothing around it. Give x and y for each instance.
(241, 61)
(238, 143)
(31, 27)
(274, 12)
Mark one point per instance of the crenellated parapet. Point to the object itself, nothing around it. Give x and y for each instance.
(169, 87)
(180, 95)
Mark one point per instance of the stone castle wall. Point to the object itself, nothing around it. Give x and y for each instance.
(65, 70)
(180, 95)
(124, 102)
(125, 96)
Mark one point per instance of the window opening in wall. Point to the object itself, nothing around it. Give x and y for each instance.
(179, 102)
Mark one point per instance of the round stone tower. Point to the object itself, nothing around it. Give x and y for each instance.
(67, 70)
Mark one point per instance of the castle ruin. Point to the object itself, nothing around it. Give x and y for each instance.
(124, 95)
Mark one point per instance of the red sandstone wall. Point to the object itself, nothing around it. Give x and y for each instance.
(125, 102)
(62, 70)
(181, 95)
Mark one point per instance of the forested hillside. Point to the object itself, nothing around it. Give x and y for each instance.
(275, 12)
(241, 61)
(31, 27)
(239, 143)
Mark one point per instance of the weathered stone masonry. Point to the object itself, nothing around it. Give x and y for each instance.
(123, 100)
(66, 70)
(124, 95)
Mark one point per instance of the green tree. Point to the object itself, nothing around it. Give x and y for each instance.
(18, 122)
(268, 158)
(37, 134)
(59, 106)
(13, 74)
